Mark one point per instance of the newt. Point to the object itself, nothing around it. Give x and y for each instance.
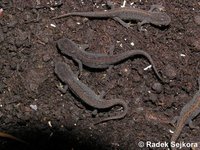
(98, 60)
(87, 95)
(187, 114)
(153, 16)
(6, 135)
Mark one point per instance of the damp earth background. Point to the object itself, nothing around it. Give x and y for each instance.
(31, 106)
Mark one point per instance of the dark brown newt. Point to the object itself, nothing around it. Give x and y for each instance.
(87, 95)
(157, 17)
(188, 112)
(6, 135)
(97, 60)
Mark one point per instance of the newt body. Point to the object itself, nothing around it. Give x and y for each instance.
(188, 112)
(97, 60)
(87, 95)
(157, 18)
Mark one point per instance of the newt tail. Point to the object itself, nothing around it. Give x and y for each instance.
(6, 135)
(88, 14)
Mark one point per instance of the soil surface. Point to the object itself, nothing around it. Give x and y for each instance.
(33, 109)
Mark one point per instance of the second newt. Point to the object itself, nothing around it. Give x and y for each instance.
(87, 95)
(97, 60)
(188, 112)
(6, 135)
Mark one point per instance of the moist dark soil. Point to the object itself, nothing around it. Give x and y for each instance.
(33, 109)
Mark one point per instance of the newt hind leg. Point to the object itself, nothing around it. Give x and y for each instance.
(174, 120)
(156, 8)
(126, 25)
(192, 126)
(110, 4)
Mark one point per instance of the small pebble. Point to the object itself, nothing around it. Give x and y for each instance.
(157, 87)
(94, 112)
(27, 109)
(18, 43)
(196, 44)
(170, 72)
(188, 87)
(197, 19)
(12, 24)
(46, 57)
(34, 107)
(100, 114)
(136, 78)
(153, 97)
(70, 23)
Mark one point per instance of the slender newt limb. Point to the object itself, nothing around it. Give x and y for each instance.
(87, 95)
(97, 60)
(6, 135)
(153, 16)
(188, 112)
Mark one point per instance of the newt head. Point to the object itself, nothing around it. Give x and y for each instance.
(67, 47)
(62, 70)
(160, 19)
